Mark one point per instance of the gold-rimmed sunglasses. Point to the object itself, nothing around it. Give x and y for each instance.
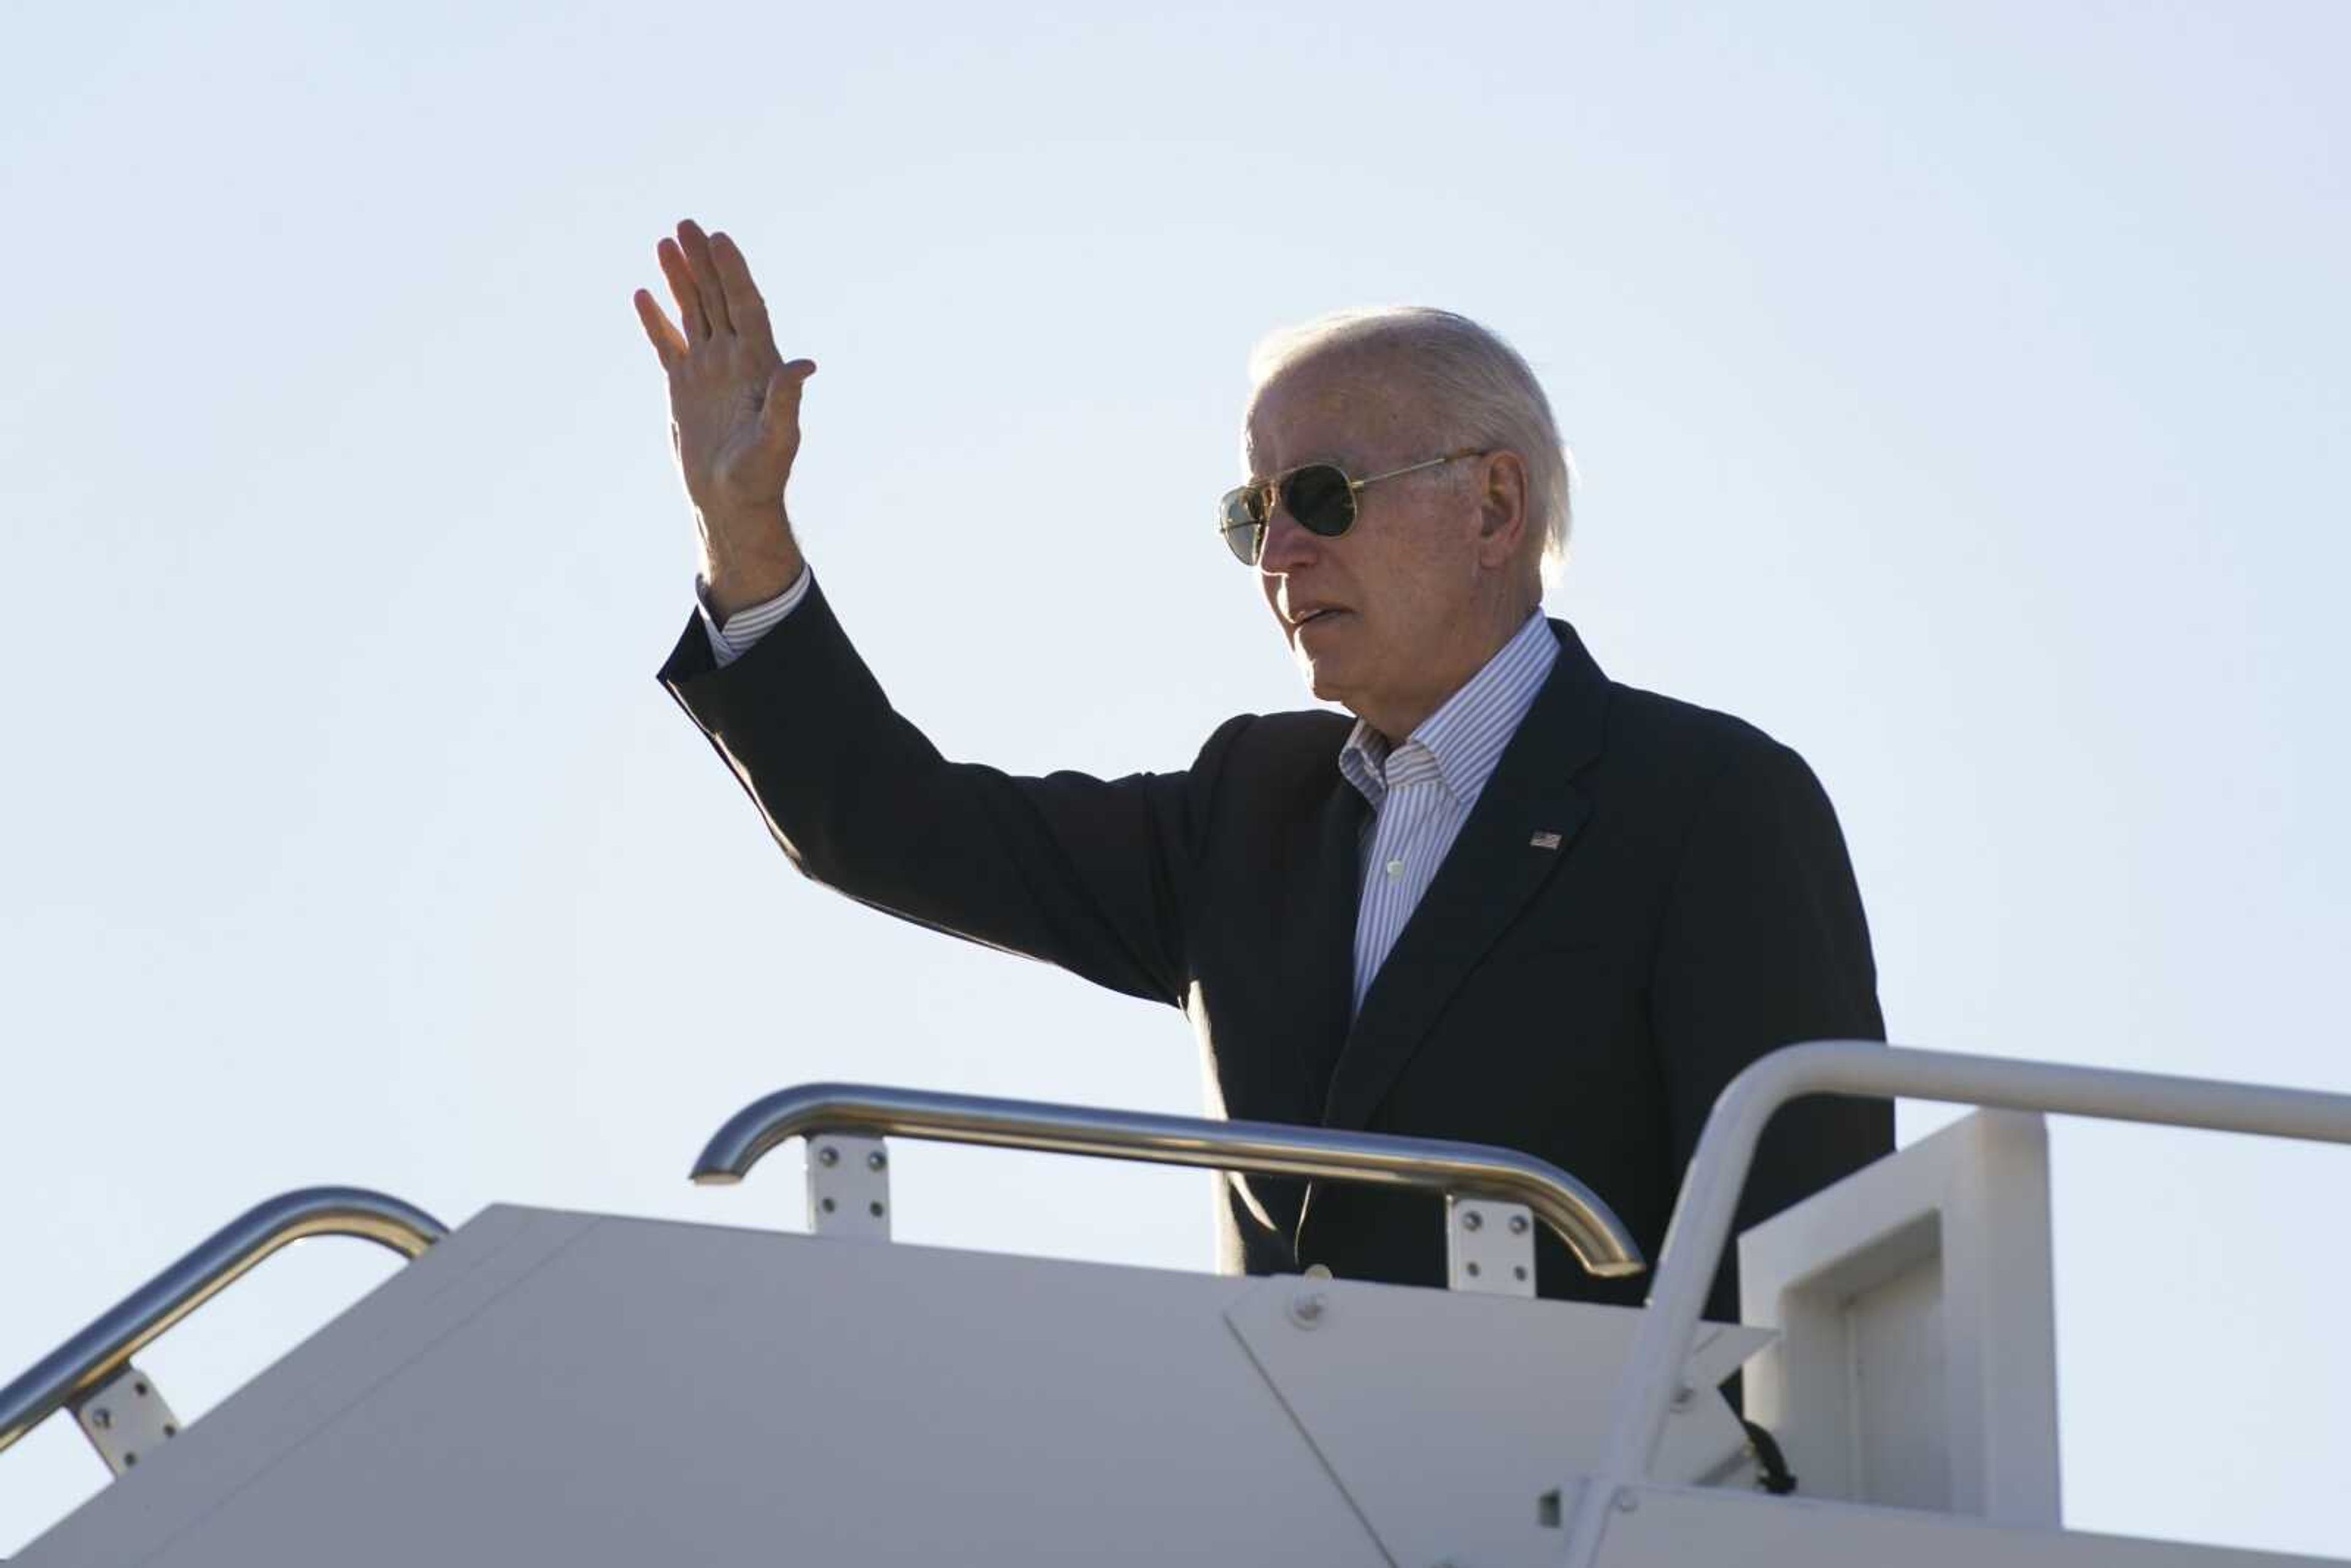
(1319, 495)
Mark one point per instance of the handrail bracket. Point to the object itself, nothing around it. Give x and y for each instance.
(124, 1417)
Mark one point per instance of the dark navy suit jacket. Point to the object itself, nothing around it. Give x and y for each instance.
(1584, 1003)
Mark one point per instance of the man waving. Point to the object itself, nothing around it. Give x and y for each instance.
(1510, 900)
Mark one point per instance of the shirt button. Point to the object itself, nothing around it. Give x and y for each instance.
(1395, 869)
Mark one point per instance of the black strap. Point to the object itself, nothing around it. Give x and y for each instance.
(1775, 1478)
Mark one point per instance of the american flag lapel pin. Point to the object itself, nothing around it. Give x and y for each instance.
(1545, 841)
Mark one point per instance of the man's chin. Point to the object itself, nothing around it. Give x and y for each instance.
(1322, 679)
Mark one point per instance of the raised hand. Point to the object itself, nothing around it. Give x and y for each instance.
(734, 414)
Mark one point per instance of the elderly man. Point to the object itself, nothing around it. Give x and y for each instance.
(1509, 902)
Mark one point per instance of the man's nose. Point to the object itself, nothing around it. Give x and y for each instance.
(1287, 545)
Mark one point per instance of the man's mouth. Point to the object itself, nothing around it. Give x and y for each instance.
(1308, 617)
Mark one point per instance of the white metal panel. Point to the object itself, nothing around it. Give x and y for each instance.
(223, 1452)
(1490, 1247)
(849, 1187)
(623, 1392)
(1446, 1417)
(1668, 1527)
(1894, 1333)
(1918, 1356)
(126, 1418)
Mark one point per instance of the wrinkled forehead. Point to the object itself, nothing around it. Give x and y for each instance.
(1349, 406)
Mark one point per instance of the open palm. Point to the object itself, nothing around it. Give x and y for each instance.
(734, 400)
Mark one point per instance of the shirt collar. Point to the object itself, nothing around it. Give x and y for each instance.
(1467, 732)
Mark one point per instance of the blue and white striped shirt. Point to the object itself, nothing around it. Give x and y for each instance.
(1420, 792)
(732, 639)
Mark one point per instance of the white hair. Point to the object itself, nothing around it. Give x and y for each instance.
(1482, 393)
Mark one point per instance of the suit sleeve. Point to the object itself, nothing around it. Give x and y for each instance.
(1764, 944)
(1087, 874)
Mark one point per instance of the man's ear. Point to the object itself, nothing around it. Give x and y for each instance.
(1501, 508)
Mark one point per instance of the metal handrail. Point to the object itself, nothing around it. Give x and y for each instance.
(1717, 1170)
(1590, 1230)
(85, 1362)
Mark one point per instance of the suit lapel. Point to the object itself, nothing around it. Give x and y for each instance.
(1494, 866)
(1322, 964)
(1311, 919)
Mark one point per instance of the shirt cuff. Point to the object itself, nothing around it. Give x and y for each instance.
(733, 639)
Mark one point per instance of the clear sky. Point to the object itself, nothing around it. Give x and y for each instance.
(1958, 394)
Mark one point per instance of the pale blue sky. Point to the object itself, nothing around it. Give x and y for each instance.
(1957, 391)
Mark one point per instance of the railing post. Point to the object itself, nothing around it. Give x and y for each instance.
(117, 1408)
(1717, 1170)
(1590, 1230)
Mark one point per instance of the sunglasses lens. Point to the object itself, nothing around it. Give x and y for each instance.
(1321, 500)
(1242, 517)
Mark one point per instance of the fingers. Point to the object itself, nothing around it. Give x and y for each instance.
(712, 283)
(706, 274)
(691, 316)
(667, 345)
(744, 307)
